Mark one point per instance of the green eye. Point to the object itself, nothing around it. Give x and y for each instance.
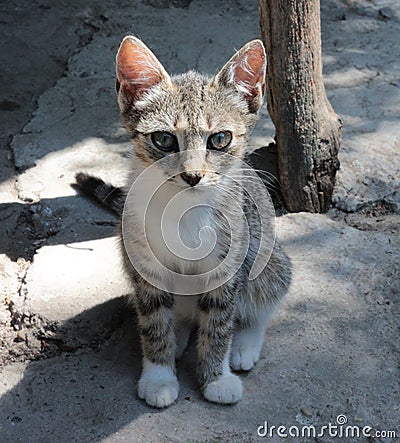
(220, 140)
(164, 141)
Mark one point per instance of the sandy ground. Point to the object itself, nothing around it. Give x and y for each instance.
(69, 351)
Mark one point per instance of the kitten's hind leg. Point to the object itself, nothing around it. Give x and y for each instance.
(248, 341)
(256, 303)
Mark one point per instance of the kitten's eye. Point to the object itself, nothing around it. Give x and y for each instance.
(220, 140)
(164, 141)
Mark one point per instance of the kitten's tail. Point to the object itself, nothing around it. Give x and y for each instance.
(107, 195)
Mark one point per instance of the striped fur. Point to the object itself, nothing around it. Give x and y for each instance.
(231, 319)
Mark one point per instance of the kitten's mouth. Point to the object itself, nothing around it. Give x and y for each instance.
(185, 184)
(174, 179)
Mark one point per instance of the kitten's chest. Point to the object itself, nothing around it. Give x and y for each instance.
(183, 232)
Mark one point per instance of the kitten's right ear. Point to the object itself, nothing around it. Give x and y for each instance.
(138, 70)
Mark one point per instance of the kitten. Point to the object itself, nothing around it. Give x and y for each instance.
(181, 127)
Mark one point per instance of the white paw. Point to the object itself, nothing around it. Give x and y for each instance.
(158, 385)
(226, 390)
(245, 352)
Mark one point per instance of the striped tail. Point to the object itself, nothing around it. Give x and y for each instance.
(107, 195)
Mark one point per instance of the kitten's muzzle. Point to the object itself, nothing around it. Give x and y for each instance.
(192, 178)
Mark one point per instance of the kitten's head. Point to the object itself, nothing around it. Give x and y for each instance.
(198, 116)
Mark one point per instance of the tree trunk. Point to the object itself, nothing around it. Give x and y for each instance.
(308, 132)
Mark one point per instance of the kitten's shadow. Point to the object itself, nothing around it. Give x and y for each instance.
(88, 391)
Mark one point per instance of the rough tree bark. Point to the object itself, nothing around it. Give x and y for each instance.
(308, 132)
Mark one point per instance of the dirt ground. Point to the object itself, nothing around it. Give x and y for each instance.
(69, 352)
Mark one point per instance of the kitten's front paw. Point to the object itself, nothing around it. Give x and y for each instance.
(158, 385)
(226, 390)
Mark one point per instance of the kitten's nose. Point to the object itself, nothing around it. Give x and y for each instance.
(193, 178)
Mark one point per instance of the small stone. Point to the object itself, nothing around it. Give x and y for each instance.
(20, 337)
(386, 13)
(306, 412)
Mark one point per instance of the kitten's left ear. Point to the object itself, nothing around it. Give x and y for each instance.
(245, 72)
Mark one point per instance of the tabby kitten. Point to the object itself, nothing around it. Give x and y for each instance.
(198, 117)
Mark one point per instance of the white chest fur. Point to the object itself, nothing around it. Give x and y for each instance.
(171, 227)
(181, 229)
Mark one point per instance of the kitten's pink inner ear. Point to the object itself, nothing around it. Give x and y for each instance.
(138, 69)
(249, 70)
